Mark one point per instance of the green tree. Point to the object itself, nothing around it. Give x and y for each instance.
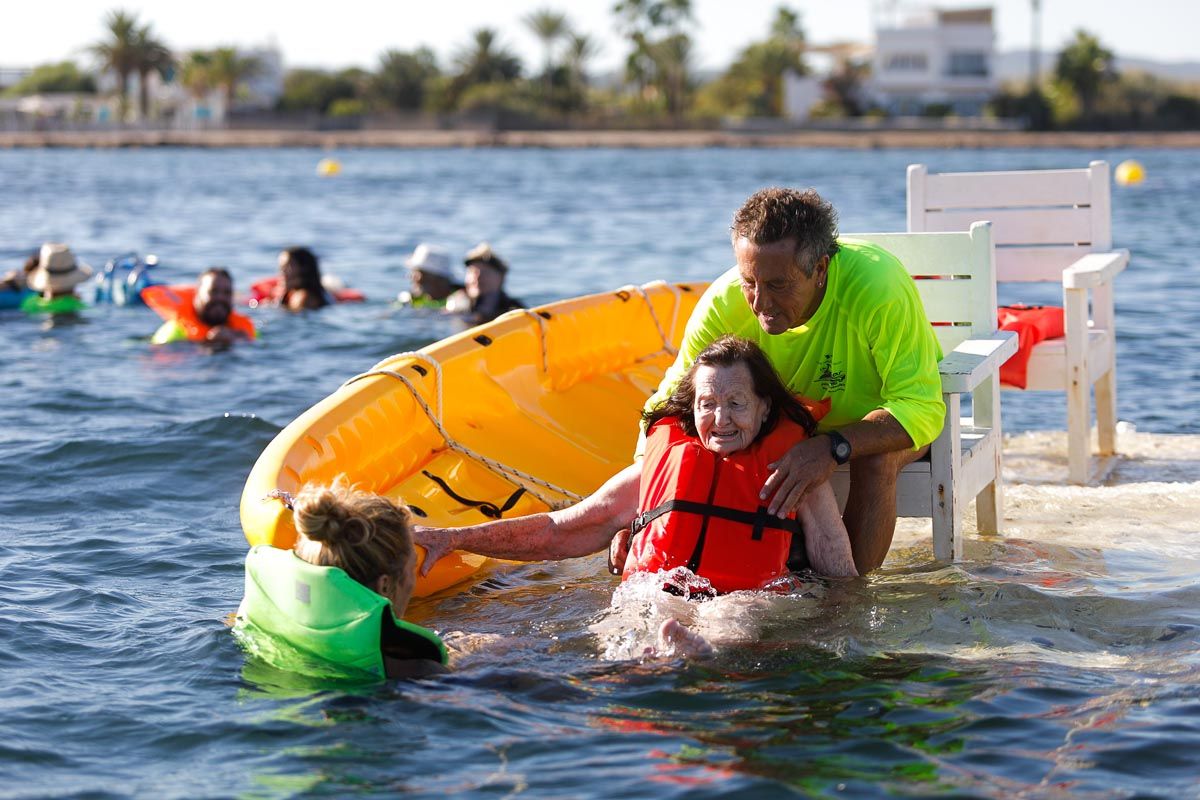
(486, 60)
(843, 87)
(403, 79)
(549, 27)
(753, 84)
(1086, 67)
(119, 52)
(317, 90)
(659, 58)
(195, 74)
(228, 69)
(152, 55)
(672, 59)
(62, 77)
(581, 48)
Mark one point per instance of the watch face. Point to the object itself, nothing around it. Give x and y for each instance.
(841, 452)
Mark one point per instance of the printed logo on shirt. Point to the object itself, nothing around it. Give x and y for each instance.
(831, 381)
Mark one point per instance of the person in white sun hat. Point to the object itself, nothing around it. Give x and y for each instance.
(433, 279)
(54, 279)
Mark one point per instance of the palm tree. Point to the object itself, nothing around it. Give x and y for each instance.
(119, 52)
(196, 74)
(548, 26)
(580, 49)
(228, 68)
(661, 61)
(486, 60)
(152, 56)
(672, 63)
(403, 79)
(1086, 66)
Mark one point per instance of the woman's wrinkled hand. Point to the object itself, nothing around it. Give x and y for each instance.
(436, 542)
(618, 551)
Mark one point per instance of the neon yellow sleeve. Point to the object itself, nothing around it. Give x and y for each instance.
(905, 353)
(169, 331)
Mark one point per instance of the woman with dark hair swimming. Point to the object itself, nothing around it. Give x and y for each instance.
(300, 285)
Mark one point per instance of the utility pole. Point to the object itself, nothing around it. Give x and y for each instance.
(1035, 47)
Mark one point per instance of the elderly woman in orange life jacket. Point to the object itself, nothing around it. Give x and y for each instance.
(709, 449)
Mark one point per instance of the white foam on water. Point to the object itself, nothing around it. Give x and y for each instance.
(1100, 577)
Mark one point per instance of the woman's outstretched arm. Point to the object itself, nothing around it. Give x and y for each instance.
(578, 530)
(825, 536)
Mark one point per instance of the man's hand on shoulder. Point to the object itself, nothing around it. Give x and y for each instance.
(806, 465)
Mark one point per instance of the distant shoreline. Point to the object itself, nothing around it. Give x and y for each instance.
(424, 139)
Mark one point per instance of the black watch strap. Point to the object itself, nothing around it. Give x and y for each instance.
(839, 447)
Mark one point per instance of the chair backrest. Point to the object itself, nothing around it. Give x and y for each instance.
(1043, 220)
(954, 273)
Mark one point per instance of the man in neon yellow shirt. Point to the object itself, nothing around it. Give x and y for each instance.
(839, 320)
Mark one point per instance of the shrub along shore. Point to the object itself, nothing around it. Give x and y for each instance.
(601, 138)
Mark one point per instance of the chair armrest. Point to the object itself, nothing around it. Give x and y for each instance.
(1094, 269)
(975, 360)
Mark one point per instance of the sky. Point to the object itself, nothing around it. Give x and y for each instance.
(354, 32)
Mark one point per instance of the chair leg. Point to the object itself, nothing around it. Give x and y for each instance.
(989, 508)
(1079, 435)
(945, 471)
(1079, 423)
(1106, 412)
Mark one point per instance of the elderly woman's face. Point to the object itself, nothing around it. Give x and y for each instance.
(728, 413)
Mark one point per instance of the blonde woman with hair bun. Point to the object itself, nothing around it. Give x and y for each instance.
(366, 535)
(339, 594)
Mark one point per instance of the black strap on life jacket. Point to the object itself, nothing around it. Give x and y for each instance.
(759, 520)
(489, 510)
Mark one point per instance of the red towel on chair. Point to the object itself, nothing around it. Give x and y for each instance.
(1032, 324)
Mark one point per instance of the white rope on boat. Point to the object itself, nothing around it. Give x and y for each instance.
(541, 321)
(667, 346)
(511, 474)
(428, 359)
(675, 308)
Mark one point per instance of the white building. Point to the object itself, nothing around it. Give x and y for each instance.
(935, 57)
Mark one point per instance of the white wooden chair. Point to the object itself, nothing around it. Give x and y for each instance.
(954, 273)
(1050, 226)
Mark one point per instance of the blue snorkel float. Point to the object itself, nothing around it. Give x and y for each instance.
(123, 278)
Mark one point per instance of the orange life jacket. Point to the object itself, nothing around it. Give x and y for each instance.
(263, 291)
(177, 303)
(700, 510)
(1032, 324)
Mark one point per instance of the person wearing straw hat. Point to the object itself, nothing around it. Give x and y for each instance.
(54, 279)
(485, 285)
(433, 280)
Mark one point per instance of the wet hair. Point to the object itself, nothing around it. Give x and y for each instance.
(365, 534)
(726, 352)
(302, 272)
(773, 215)
(219, 272)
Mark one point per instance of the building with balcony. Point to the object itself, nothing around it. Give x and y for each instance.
(935, 60)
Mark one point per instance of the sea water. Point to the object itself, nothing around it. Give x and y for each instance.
(1059, 659)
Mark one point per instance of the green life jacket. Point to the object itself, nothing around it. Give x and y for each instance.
(64, 304)
(419, 301)
(323, 612)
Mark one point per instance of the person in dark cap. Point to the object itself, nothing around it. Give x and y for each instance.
(485, 285)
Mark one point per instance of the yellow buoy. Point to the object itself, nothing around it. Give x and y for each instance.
(1129, 173)
(328, 167)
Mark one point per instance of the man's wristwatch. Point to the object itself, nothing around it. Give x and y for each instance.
(839, 447)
